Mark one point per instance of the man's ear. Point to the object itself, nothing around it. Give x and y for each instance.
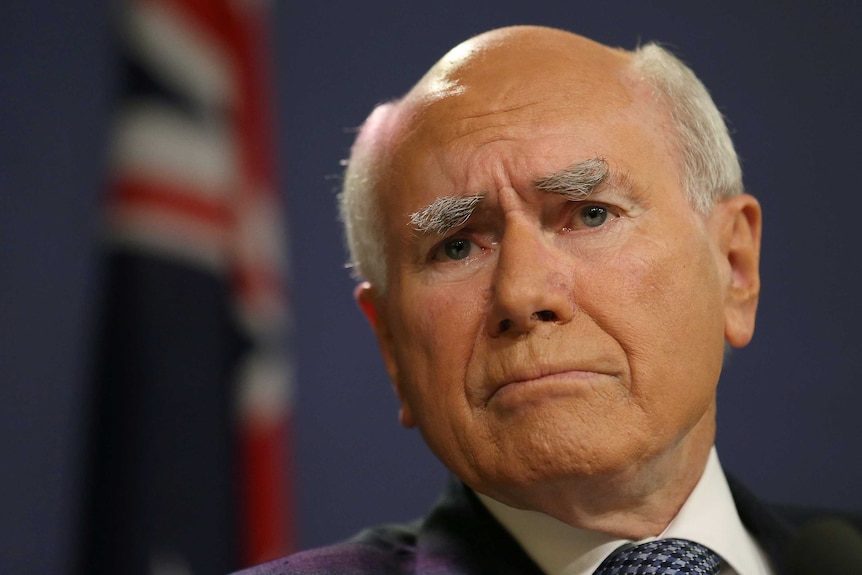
(372, 305)
(740, 223)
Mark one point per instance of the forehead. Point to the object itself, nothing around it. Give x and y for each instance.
(515, 85)
(505, 113)
(476, 140)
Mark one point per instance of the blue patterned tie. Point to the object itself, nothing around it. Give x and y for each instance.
(661, 557)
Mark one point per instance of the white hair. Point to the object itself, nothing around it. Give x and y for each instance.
(359, 200)
(709, 165)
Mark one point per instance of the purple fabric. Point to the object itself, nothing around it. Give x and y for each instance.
(459, 536)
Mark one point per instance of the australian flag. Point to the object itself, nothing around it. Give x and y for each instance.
(189, 466)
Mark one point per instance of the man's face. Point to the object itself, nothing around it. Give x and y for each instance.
(548, 337)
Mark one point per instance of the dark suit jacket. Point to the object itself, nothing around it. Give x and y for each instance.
(460, 537)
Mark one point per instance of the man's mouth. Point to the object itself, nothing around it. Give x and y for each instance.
(543, 384)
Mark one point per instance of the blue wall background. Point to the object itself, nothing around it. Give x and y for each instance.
(784, 72)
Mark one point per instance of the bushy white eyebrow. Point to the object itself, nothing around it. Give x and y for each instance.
(444, 214)
(577, 181)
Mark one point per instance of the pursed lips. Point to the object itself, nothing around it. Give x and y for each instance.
(539, 377)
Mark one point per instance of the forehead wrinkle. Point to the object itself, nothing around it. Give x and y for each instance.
(483, 113)
(444, 214)
(577, 181)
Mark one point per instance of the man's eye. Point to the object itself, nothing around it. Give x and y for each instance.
(455, 249)
(593, 216)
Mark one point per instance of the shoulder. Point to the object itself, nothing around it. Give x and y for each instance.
(795, 535)
(799, 516)
(386, 550)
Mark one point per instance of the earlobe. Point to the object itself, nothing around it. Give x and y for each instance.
(370, 302)
(740, 245)
(405, 415)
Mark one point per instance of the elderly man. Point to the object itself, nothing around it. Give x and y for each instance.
(556, 250)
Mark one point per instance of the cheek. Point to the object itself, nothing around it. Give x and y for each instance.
(673, 284)
(665, 312)
(434, 340)
(434, 343)
(442, 321)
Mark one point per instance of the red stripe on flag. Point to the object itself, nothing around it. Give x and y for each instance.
(211, 17)
(171, 198)
(267, 468)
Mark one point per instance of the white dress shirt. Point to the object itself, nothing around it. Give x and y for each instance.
(708, 517)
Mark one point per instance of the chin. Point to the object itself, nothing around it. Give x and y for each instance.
(534, 466)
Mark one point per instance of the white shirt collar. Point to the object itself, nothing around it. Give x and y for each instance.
(708, 516)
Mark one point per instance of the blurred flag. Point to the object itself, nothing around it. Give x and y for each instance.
(190, 464)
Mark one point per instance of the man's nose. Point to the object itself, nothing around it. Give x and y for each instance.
(532, 282)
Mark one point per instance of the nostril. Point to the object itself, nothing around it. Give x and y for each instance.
(505, 325)
(545, 315)
(508, 324)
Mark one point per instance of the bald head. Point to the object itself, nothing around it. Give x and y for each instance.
(509, 62)
(514, 72)
(518, 75)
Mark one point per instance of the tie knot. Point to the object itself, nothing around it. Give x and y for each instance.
(661, 557)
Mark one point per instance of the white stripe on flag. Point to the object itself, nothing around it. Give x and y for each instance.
(174, 236)
(266, 388)
(261, 244)
(154, 140)
(178, 49)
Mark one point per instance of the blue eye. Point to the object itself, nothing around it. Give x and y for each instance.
(457, 248)
(594, 216)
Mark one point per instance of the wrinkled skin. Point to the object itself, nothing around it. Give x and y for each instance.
(554, 360)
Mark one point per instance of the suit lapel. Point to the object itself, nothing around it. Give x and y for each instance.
(773, 532)
(460, 537)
